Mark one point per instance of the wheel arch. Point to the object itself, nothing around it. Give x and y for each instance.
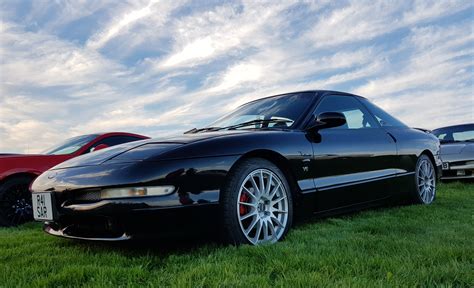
(280, 161)
(32, 175)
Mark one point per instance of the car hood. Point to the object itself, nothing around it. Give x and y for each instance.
(456, 148)
(139, 150)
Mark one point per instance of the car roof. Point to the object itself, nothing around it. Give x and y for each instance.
(102, 134)
(316, 94)
(467, 125)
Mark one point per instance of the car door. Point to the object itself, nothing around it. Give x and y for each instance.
(353, 163)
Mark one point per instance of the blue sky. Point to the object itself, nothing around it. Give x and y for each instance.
(162, 67)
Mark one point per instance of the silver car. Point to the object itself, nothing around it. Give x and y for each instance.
(457, 151)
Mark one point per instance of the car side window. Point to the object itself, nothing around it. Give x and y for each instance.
(357, 117)
(114, 140)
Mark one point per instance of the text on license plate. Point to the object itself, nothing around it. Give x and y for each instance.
(42, 206)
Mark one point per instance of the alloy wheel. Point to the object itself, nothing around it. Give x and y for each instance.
(262, 207)
(426, 181)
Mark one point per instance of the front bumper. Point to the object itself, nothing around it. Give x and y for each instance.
(457, 171)
(125, 219)
(80, 213)
(113, 221)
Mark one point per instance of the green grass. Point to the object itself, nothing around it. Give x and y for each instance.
(399, 246)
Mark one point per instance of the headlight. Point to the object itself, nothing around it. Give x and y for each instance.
(136, 191)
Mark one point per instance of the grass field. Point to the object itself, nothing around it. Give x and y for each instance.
(399, 246)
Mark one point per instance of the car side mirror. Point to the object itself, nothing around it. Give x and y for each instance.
(99, 147)
(328, 120)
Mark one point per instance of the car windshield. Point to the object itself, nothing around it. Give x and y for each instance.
(273, 112)
(462, 133)
(71, 145)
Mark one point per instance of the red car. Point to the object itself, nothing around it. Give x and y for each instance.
(17, 171)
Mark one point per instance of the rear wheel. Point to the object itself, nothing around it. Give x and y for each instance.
(256, 204)
(425, 181)
(15, 201)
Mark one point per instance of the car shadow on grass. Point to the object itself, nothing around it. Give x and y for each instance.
(163, 246)
(207, 240)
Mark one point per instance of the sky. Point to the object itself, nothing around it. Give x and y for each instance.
(162, 67)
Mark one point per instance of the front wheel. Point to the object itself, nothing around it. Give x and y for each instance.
(425, 181)
(256, 204)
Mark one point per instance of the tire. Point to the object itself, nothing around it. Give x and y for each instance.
(425, 181)
(249, 216)
(15, 201)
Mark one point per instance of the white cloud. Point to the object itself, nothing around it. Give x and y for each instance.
(364, 20)
(436, 78)
(154, 13)
(32, 132)
(239, 74)
(47, 84)
(199, 49)
(102, 38)
(213, 33)
(43, 60)
(161, 67)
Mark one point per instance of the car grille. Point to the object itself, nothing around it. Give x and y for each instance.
(459, 163)
(91, 195)
(92, 227)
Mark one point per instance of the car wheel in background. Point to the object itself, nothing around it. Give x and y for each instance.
(15, 201)
(257, 205)
(425, 181)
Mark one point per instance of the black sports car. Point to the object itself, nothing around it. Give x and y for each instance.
(249, 173)
(457, 151)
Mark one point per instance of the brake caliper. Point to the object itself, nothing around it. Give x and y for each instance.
(244, 198)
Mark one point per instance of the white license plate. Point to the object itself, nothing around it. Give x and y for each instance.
(461, 173)
(42, 206)
(445, 166)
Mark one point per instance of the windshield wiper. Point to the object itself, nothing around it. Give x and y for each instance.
(256, 121)
(240, 125)
(195, 130)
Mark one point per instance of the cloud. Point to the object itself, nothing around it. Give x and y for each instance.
(436, 77)
(365, 20)
(155, 13)
(44, 60)
(111, 31)
(212, 33)
(239, 74)
(162, 67)
(47, 84)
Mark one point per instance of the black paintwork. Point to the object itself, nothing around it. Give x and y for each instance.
(330, 170)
